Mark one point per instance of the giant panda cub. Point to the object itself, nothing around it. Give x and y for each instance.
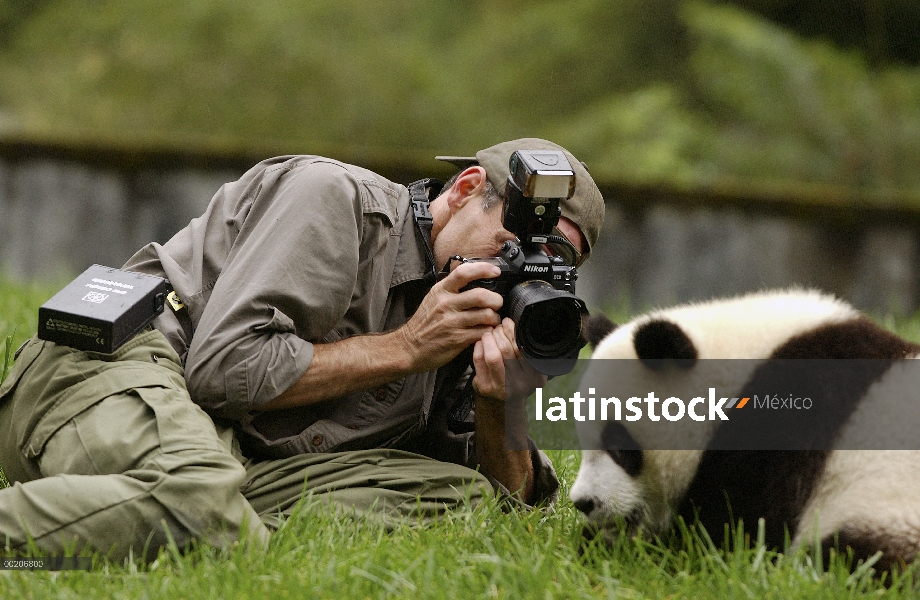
(868, 500)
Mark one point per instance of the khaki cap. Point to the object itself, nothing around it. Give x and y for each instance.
(586, 206)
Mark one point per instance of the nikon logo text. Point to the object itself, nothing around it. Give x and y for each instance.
(535, 269)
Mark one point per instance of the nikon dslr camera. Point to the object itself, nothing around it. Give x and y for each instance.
(538, 289)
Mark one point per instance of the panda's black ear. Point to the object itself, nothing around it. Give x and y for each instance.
(596, 327)
(659, 342)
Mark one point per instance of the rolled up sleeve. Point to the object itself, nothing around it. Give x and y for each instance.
(287, 281)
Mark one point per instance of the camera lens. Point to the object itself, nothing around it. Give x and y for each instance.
(550, 326)
(547, 321)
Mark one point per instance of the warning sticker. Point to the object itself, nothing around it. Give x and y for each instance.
(72, 328)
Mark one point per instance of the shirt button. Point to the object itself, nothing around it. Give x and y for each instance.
(317, 440)
(380, 394)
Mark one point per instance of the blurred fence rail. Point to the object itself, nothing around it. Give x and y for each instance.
(65, 205)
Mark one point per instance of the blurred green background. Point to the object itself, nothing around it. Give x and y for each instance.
(688, 93)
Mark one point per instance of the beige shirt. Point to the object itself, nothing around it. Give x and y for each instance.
(298, 251)
(303, 250)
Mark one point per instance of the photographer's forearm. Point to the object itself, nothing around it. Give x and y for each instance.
(512, 468)
(349, 365)
(446, 322)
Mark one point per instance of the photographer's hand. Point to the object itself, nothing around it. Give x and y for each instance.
(502, 383)
(446, 322)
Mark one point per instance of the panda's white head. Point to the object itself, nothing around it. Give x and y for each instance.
(625, 482)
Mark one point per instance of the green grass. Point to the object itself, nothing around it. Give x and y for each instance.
(483, 553)
(18, 317)
(469, 554)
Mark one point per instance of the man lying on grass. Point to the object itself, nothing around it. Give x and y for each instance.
(313, 351)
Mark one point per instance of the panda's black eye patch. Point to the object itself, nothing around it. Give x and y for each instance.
(622, 448)
(661, 342)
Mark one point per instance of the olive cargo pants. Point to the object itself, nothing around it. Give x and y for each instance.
(108, 450)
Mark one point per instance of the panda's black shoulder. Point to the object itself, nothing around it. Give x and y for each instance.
(859, 337)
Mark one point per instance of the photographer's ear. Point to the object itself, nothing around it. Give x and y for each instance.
(469, 184)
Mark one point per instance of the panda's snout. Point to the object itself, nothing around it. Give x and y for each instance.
(585, 505)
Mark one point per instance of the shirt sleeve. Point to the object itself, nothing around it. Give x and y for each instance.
(287, 281)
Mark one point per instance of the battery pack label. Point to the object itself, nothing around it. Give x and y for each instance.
(72, 328)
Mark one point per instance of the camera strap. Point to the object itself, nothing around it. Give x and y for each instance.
(458, 420)
(421, 193)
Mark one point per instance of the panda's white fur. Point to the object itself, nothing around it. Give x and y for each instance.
(869, 498)
(749, 326)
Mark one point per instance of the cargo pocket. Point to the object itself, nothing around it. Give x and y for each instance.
(112, 436)
(73, 400)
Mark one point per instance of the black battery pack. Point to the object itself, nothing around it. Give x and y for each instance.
(102, 309)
